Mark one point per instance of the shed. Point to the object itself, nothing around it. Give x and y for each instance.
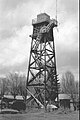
(64, 100)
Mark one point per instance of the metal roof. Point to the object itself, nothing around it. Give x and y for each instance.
(64, 96)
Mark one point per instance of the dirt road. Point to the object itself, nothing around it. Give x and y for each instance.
(40, 115)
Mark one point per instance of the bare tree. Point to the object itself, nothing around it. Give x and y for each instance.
(22, 86)
(17, 84)
(4, 86)
(69, 86)
(13, 80)
(77, 86)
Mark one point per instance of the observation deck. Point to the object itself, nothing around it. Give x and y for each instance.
(42, 17)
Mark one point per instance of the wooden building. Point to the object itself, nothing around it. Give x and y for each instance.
(64, 100)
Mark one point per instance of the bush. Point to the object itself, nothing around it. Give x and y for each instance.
(19, 105)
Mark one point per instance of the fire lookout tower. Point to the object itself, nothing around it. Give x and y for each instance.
(42, 73)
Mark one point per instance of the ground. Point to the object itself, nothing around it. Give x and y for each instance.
(41, 115)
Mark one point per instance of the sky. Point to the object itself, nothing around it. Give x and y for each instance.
(16, 26)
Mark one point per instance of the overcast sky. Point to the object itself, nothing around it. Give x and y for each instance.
(16, 26)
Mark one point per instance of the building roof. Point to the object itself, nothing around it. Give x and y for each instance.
(18, 97)
(64, 96)
(9, 96)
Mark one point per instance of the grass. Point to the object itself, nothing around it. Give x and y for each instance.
(41, 115)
